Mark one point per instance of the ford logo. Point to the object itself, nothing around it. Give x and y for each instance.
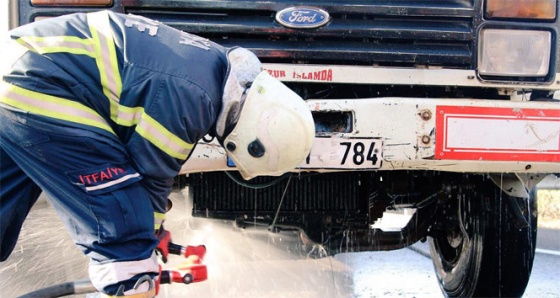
(302, 17)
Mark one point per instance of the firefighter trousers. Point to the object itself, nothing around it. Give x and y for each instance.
(89, 180)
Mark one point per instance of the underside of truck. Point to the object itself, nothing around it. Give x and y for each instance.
(460, 214)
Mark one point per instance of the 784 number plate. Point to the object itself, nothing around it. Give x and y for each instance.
(344, 153)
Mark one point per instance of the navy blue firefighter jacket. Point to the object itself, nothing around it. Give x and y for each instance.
(158, 89)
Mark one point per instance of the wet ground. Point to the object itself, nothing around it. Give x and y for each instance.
(252, 263)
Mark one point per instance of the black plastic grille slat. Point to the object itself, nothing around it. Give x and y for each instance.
(215, 192)
(360, 32)
(317, 52)
(399, 28)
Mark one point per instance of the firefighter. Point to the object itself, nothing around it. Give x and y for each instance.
(100, 111)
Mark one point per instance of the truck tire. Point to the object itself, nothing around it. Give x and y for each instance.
(488, 245)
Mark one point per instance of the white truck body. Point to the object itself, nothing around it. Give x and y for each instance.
(447, 134)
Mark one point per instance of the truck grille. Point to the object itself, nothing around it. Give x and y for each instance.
(387, 33)
(215, 193)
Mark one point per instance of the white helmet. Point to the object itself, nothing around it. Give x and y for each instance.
(274, 131)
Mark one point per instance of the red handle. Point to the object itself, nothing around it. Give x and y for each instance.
(187, 251)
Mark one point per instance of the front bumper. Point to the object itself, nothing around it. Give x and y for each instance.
(456, 135)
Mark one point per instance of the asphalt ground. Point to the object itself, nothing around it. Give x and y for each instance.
(548, 239)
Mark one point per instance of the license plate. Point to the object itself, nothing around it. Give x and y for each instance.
(344, 153)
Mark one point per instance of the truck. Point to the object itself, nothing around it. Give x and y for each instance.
(444, 111)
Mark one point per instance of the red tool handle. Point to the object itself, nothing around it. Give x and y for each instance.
(187, 251)
(188, 272)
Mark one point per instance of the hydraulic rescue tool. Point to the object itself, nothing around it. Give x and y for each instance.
(190, 271)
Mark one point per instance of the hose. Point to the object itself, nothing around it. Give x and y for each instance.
(64, 289)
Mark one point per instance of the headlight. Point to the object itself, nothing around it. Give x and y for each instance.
(528, 9)
(514, 53)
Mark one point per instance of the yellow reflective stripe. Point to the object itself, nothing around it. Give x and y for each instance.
(158, 220)
(51, 106)
(102, 48)
(128, 116)
(159, 216)
(153, 131)
(158, 135)
(58, 44)
(106, 57)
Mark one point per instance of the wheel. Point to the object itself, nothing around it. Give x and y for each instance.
(483, 243)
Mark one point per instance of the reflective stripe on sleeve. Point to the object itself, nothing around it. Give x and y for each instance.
(158, 220)
(153, 131)
(58, 44)
(67, 110)
(51, 106)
